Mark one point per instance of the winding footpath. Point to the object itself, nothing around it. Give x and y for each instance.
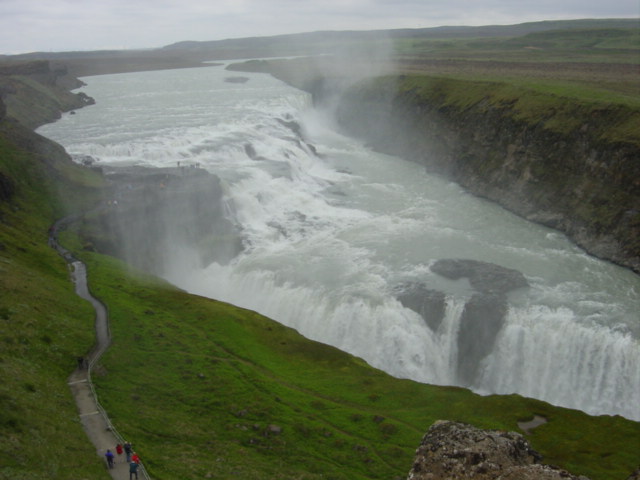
(94, 419)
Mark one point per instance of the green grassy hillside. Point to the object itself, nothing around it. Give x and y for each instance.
(197, 385)
(205, 389)
(43, 325)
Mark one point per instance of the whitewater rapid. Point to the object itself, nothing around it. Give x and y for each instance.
(332, 230)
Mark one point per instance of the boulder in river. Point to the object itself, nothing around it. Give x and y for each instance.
(484, 277)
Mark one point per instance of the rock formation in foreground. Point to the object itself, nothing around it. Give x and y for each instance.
(456, 451)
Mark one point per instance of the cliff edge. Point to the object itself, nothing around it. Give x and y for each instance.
(570, 165)
(36, 92)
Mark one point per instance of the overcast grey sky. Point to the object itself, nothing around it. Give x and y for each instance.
(63, 25)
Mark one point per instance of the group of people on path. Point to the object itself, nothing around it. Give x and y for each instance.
(132, 458)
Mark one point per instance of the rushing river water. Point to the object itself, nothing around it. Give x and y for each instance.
(330, 237)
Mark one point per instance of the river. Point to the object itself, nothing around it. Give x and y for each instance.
(333, 230)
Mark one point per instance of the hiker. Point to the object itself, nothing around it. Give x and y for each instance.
(109, 456)
(128, 450)
(135, 458)
(133, 470)
(119, 449)
(81, 363)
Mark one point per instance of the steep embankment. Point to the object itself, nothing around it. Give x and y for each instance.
(43, 326)
(37, 92)
(571, 165)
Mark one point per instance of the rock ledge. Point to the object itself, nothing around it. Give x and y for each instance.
(456, 451)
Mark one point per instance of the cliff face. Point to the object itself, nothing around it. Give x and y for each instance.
(567, 166)
(162, 219)
(36, 92)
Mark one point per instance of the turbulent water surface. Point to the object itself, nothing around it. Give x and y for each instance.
(333, 231)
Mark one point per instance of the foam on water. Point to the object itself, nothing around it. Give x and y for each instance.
(328, 239)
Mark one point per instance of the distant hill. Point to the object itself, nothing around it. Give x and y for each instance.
(311, 38)
(313, 42)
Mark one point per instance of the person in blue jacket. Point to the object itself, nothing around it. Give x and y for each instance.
(133, 470)
(109, 456)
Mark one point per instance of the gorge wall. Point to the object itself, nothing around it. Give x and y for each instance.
(562, 164)
(568, 164)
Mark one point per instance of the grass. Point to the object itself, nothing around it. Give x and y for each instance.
(591, 45)
(43, 329)
(196, 385)
(595, 64)
(557, 107)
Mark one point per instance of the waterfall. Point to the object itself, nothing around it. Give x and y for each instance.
(332, 233)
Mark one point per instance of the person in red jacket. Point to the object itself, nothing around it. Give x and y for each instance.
(119, 449)
(135, 458)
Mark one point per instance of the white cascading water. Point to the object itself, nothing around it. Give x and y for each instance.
(330, 237)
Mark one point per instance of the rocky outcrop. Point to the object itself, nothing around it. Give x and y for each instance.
(163, 219)
(483, 276)
(429, 303)
(484, 312)
(457, 451)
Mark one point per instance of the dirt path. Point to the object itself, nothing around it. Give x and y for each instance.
(94, 419)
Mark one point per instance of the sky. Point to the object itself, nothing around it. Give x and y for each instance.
(69, 25)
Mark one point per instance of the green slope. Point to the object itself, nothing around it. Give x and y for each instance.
(43, 326)
(197, 384)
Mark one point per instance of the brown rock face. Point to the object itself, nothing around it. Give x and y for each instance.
(456, 451)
